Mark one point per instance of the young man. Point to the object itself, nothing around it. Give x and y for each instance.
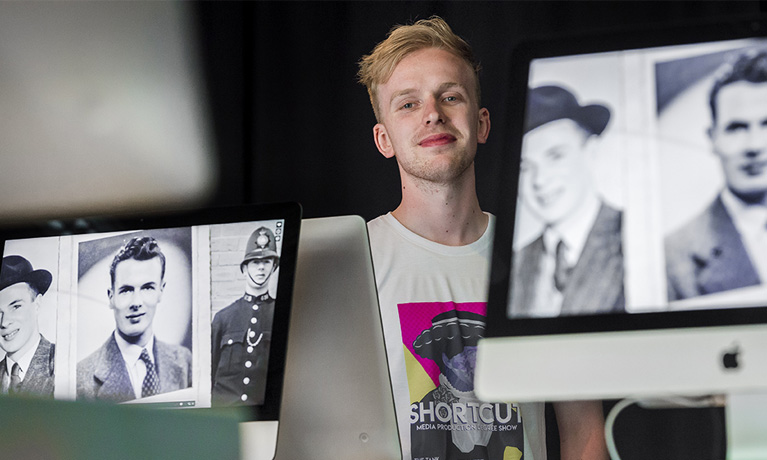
(28, 363)
(431, 254)
(576, 265)
(133, 363)
(725, 246)
(241, 332)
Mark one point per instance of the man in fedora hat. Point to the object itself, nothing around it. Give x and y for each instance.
(28, 364)
(241, 332)
(724, 247)
(575, 266)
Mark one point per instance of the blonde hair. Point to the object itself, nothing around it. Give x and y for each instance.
(377, 67)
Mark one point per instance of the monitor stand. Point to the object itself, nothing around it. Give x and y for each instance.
(258, 440)
(746, 418)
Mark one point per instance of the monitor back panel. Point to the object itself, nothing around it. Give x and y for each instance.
(337, 401)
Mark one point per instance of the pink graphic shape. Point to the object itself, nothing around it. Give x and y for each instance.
(416, 317)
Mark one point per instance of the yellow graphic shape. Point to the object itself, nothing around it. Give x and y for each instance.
(418, 381)
(512, 453)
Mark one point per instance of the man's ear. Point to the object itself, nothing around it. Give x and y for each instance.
(109, 295)
(382, 140)
(483, 126)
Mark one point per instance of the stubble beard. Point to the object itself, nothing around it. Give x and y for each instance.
(438, 170)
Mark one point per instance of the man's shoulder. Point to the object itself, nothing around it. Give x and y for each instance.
(227, 313)
(701, 230)
(174, 352)
(101, 355)
(380, 226)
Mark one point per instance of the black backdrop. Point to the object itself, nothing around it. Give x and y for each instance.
(291, 122)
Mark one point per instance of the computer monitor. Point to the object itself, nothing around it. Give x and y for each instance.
(207, 291)
(612, 150)
(103, 109)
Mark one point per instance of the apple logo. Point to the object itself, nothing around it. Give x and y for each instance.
(730, 357)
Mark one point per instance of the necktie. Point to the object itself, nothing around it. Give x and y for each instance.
(151, 385)
(562, 269)
(15, 379)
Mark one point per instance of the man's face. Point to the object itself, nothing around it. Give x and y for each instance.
(740, 138)
(134, 297)
(431, 119)
(459, 369)
(18, 318)
(555, 173)
(259, 271)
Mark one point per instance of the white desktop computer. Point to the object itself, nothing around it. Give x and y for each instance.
(630, 256)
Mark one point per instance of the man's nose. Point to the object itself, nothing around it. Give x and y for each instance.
(136, 301)
(756, 142)
(433, 112)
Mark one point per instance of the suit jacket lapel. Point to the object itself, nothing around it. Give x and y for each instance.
(596, 283)
(721, 261)
(168, 369)
(39, 376)
(526, 269)
(111, 370)
(3, 366)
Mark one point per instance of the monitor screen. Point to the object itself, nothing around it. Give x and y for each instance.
(634, 217)
(186, 310)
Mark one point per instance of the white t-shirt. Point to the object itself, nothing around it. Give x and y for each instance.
(419, 280)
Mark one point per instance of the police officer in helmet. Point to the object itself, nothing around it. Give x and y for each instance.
(241, 332)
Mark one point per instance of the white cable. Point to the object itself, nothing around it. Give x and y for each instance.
(610, 421)
(654, 403)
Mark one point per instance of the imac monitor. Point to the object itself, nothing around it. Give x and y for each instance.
(630, 255)
(206, 293)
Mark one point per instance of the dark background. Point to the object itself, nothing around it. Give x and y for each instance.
(292, 124)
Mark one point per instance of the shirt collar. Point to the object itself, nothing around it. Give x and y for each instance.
(573, 231)
(24, 361)
(748, 219)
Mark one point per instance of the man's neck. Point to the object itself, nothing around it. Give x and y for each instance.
(256, 291)
(750, 199)
(28, 348)
(141, 340)
(448, 214)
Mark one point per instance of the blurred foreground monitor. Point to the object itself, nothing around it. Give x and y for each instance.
(65, 430)
(101, 109)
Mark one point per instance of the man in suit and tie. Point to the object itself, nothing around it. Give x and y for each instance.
(725, 247)
(133, 363)
(575, 266)
(27, 367)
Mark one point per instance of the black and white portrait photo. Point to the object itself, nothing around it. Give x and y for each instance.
(714, 115)
(568, 248)
(134, 315)
(243, 289)
(28, 315)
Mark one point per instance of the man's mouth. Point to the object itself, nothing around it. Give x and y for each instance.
(548, 197)
(754, 168)
(437, 140)
(135, 318)
(10, 335)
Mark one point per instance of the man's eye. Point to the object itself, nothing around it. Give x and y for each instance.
(451, 99)
(408, 105)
